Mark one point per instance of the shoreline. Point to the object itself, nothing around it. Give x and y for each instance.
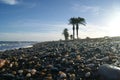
(11, 45)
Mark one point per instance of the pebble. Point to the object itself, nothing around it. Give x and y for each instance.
(33, 71)
(28, 75)
(72, 76)
(2, 62)
(87, 74)
(62, 75)
(20, 71)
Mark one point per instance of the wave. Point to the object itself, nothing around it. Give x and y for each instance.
(8, 45)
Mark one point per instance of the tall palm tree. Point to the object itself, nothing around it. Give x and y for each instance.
(72, 21)
(78, 21)
(65, 33)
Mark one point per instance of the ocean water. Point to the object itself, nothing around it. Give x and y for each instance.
(8, 45)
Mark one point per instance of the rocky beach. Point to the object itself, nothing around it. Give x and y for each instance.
(88, 59)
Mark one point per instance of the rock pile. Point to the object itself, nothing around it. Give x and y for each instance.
(72, 60)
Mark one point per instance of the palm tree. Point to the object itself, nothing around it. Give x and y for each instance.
(65, 33)
(78, 21)
(73, 22)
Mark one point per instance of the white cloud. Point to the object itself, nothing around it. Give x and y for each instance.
(86, 8)
(93, 31)
(10, 2)
(38, 26)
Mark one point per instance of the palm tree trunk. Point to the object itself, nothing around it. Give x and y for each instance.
(73, 32)
(77, 28)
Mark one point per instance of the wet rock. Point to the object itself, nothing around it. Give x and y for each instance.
(109, 72)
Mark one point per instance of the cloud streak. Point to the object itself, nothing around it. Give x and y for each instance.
(37, 26)
(86, 8)
(10, 2)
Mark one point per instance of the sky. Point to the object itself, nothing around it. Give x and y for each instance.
(45, 20)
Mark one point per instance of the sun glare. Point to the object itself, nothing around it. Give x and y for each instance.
(113, 24)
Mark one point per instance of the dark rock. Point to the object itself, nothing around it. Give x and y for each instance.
(54, 70)
(109, 72)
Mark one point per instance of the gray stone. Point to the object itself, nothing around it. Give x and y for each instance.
(109, 72)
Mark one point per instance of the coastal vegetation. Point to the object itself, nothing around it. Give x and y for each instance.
(75, 22)
(65, 33)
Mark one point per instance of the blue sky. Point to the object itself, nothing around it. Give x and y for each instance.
(44, 20)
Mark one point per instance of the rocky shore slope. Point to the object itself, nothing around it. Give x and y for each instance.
(62, 60)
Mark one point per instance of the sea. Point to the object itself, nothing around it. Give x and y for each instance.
(9, 45)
